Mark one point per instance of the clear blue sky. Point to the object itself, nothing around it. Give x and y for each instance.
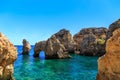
(37, 20)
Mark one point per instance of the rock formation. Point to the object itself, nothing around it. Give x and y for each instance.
(109, 64)
(66, 39)
(91, 41)
(26, 47)
(52, 48)
(113, 27)
(8, 55)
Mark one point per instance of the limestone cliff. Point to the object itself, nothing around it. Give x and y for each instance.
(52, 48)
(8, 55)
(109, 64)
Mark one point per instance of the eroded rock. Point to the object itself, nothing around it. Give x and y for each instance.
(91, 41)
(65, 38)
(26, 47)
(8, 55)
(109, 64)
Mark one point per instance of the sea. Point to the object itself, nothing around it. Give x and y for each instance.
(26, 67)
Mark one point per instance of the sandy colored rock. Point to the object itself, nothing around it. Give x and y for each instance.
(26, 47)
(65, 38)
(109, 64)
(52, 48)
(8, 55)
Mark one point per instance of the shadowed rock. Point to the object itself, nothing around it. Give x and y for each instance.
(113, 27)
(26, 47)
(65, 38)
(8, 54)
(91, 41)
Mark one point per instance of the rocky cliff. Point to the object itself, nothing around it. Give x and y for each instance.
(109, 64)
(91, 41)
(65, 38)
(52, 48)
(8, 55)
(26, 47)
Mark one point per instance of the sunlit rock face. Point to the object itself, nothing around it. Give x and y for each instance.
(65, 38)
(109, 64)
(8, 55)
(26, 47)
(52, 47)
(91, 41)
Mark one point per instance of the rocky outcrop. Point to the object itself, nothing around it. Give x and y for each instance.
(115, 25)
(40, 46)
(109, 64)
(26, 47)
(52, 47)
(8, 55)
(91, 41)
(66, 39)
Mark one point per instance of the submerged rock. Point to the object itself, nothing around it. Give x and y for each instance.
(8, 54)
(52, 48)
(109, 64)
(91, 41)
(26, 47)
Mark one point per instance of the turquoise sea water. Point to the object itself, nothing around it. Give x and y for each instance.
(26, 67)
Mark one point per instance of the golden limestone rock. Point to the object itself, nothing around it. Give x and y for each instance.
(109, 64)
(8, 54)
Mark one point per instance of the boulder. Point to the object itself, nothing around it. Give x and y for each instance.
(91, 41)
(8, 54)
(26, 47)
(109, 64)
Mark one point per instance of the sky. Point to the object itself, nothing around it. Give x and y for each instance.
(37, 20)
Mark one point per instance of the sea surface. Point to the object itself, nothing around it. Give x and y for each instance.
(26, 67)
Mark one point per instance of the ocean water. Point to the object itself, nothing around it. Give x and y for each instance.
(26, 67)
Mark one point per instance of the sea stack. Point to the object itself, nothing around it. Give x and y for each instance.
(26, 47)
(109, 64)
(8, 54)
(91, 41)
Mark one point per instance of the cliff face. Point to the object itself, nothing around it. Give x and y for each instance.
(109, 64)
(52, 48)
(8, 55)
(26, 47)
(91, 41)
